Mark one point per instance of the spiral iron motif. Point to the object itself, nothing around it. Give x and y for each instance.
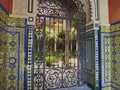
(53, 78)
(70, 77)
(60, 78)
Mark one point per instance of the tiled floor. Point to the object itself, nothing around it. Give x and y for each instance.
(84, 87)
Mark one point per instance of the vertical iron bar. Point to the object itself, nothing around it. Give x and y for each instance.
(44, 45)
(66, 44)
(49, 39)
(63, 43)
(78, 31)
(70, 35)
(58, 44)
(74, 44)
(70, 42)
(64, 54)
(58, 53)
(84, 29)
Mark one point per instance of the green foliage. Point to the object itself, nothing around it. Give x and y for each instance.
(74, 37)
(61, 36)
(76, 18)
(50, 60)
(60, 54)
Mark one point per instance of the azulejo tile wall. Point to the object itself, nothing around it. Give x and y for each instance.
(3, 50)
(3, 16)
(105, 57)
(13, 21)
(3, 60)
(11, 52)
(110, 57)
(16, 27)
(30, 59)
(115, 56)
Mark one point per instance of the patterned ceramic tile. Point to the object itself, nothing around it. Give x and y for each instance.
(105, 29)
(105, 57)
(12, 21)
(3, 60)
(3, 51)
(115, 57)
(11, 52)
(3, 16)
(115, 27)
(110, 40)
(29, 67)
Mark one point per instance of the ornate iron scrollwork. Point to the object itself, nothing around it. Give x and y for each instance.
(56, 42)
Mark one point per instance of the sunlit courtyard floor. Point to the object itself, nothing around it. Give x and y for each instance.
(84, 87)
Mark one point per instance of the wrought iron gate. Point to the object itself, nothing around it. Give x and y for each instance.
(57, 45)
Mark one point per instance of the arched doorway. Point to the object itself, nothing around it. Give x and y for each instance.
(59, 46)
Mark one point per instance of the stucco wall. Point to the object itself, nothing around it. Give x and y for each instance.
(19, 8)
(114, 11)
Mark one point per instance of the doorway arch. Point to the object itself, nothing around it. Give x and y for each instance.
(59, 37)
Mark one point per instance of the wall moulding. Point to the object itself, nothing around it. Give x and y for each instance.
(93, 25)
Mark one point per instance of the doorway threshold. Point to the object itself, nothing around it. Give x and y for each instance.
(83, 87)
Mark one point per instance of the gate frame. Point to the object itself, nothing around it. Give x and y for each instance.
(78, 31)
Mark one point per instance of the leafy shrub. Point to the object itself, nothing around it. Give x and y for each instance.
(50, 60)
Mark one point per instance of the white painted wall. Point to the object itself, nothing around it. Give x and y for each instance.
(103, 12)
(19, 8)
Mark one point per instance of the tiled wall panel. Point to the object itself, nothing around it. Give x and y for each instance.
(11, 52)
(115, 56)
(3, 59)
(30, 54)
(110, 57)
